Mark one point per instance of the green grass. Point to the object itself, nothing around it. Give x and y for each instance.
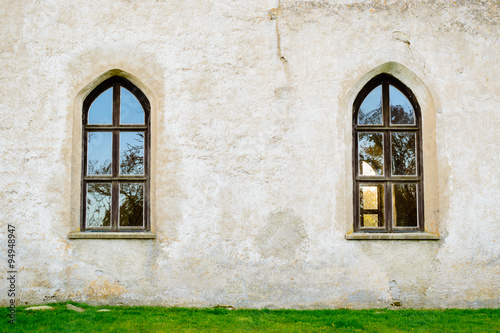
(158, 319)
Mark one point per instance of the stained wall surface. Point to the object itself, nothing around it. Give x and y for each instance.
(251, 196)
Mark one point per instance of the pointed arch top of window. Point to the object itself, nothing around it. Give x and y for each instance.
(132, 109)
(385, 101)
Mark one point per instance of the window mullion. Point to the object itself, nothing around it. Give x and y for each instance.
(420, 172)
(388, 205)
(115, 190)
(385, 104)
(387, 156)
(420, 206)
(116, 104)
(357, 206)
(387, 183)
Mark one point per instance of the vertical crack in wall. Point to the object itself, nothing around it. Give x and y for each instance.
(274, 14)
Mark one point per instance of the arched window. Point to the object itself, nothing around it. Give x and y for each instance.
(387, 158)
(115, 170)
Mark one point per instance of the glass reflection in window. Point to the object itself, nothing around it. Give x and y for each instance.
(131, 204)
(371, 152)
(99, 153)
(404, 200)
(372, 205)
(101, 109)
(370, 111)
(131, 111)
(132, 153)
(98, 204)
(401, 108)
(403, 154)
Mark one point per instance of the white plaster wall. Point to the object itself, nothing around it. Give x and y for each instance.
(251, 183)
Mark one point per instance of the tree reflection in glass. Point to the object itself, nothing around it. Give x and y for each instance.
(131, 204)
(404, 201)
(401, 108)
(98, 204)
(99, 153)
(370, 150)
(372, 205)
(370, 111)
(132, 153)
(403, 154)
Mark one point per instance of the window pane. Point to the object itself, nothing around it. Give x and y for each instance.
(372, 205)
(131, 204)
(131, 111)
(101, 109)
(371, 153)
(99, 153)
(404, 202)
(401, 108)
(98, 205)
(370, 220)
(370, 111)
(132, 153)
(403, 154)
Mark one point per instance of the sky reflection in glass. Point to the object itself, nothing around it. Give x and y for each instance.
(370, 111)
(101, 109)
(131, 111)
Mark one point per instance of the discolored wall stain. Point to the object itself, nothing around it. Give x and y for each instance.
(282, 235)
(101, 288)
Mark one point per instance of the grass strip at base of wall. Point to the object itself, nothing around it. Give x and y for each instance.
(161, 319)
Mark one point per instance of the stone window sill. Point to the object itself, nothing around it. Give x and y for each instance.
(111, 235)
(420, 236)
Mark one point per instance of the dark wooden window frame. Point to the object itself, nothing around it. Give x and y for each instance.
(387, 180)
(115, 178)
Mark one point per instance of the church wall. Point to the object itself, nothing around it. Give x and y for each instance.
(251, 151)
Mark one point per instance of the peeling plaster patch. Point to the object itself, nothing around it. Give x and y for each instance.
(395, 293)
(282, 236)
(401, 36)
(273, 14)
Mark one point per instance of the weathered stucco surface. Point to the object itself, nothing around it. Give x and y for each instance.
(251, 150)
